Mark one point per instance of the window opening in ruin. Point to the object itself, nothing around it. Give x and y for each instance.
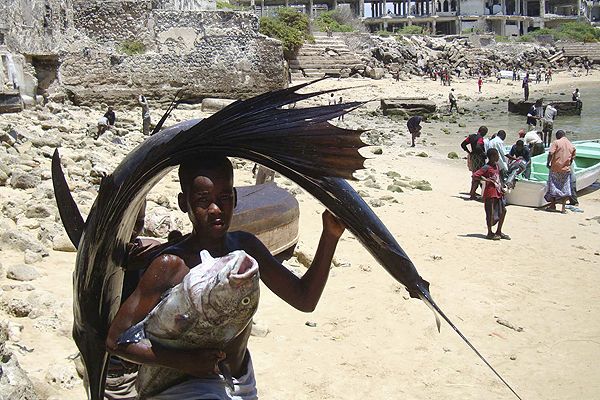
(46, 71)
(47, 16)
(1, 38)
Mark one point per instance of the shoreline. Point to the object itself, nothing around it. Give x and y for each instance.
(370, 339)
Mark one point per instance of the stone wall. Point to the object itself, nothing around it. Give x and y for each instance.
(35, 27)
(205, 53)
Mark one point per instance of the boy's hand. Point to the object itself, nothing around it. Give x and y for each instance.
(202, 362)
(332, 225)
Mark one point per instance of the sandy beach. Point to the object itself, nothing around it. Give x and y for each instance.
(370, 340)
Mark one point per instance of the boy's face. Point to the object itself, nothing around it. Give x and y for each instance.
(209, 202)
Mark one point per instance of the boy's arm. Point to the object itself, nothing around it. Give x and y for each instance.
(162, 274)
(464, 145)
(301, 293)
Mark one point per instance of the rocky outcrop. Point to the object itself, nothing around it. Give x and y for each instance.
(14, 382)
(408, 106)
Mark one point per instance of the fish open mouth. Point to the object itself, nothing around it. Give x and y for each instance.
(247, 270)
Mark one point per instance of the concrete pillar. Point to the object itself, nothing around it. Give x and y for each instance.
(333, 4)
(287, 3)
(458, 26)
(262, 8)
(434, 5)
(503, 7)
(433, 27)
(579, 8)
(525, 7)
(517, 7)
(309, 9)
(503, 27)
(384, 8)
(428, 7)
(361, 8)
(542, 12)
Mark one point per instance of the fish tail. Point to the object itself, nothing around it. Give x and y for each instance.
(67, 208)
(426, 297)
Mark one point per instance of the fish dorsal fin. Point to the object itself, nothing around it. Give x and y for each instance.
(67, 208)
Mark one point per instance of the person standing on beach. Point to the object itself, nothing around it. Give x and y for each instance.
(145, 114)
(525, 86)
(110, 116)
(534, 114)
(493, 196)
(452, 99)
(576, 96)
(476, 156)
(414, 127)
(560, 158)
(548, 124)
(479, 83)
(497, 142)
(548, 75)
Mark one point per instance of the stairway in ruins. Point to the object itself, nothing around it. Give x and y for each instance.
(589, 50)
(326, 56)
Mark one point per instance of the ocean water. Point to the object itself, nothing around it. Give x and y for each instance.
(585, 126)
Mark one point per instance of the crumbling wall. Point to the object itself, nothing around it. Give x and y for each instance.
(207, 54)
(35, 27)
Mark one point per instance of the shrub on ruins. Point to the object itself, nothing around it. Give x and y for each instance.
(132, 47)
(288, 25)
(575, 31)
(410, 30)
(338, 20)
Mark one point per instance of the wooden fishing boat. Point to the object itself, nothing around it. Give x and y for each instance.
(269, 212)
(530, 192)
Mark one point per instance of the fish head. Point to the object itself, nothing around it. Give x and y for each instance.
(229, 295)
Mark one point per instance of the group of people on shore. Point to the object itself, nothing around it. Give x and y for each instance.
(108, 120)
(498, 169)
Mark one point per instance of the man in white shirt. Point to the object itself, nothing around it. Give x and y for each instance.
(548, 124)
(533, 141)
(498, 143)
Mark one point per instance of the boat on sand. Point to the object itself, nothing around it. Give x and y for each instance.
(530, 192)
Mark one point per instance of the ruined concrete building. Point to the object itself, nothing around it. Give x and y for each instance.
(502, 17)
(94, 51)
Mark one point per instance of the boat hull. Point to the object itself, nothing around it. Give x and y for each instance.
(530, 192)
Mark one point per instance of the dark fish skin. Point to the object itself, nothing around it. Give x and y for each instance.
(299, 143)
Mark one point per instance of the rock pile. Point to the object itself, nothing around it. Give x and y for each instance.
(413, 55)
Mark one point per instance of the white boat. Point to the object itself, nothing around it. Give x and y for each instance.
(530, 192)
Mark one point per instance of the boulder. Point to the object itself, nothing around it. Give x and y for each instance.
(16, 240)
(14, 382)
(212, 104)
(22, 272)
(63, 243)
(24, 180)
(408, 106)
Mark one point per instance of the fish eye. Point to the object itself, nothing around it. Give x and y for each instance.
(246, 301)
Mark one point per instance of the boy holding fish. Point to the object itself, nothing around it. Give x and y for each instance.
(208, 197)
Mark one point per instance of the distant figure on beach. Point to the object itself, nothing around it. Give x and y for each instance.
(525, 86)
(515, 76)
(493, 196)
(341, 117)
(414, 127)
(479, 83)
(576, 96)
(498, 76)
(110, 117)
(475, 156)
(145, 114)
(560, 158)
(548, 124)
(548, 75)
(538, 76)
(534, 114)
(331, 101)
(102, 127)
(452, 100)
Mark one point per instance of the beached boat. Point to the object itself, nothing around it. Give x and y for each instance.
(269, 212)
(530, 192)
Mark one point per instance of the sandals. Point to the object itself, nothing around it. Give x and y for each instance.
(492, 237)
(504, 236)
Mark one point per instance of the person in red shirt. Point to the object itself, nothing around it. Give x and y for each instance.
(479, 83)
(493, 195)
(476, 156)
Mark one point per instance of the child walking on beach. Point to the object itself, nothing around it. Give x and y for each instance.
(493, 195)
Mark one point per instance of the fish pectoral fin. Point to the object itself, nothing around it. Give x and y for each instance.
(134, 334)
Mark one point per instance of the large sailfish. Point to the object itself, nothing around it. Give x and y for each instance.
(299, 143)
